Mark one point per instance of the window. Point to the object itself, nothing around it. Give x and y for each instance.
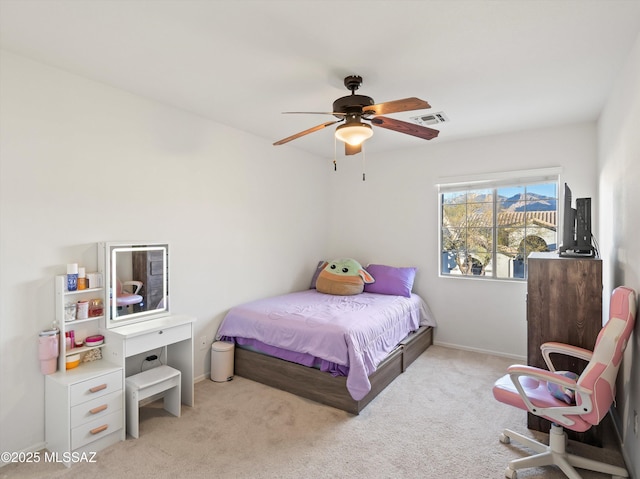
(489, 226)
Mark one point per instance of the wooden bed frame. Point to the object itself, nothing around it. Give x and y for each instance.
(322, 387)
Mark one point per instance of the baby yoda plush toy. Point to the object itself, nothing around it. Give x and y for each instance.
(343, 277)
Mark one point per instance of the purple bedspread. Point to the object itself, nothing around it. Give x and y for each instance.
(356, 332)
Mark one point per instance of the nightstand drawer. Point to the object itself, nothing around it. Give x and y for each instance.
(157, 339)
(94, 430)
(96, 387)
(96, 408)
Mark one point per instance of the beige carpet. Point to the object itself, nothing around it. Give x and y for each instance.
(438, 419)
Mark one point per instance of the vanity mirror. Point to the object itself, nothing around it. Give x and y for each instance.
(137, 281)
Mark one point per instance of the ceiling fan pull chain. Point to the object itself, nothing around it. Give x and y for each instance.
(364, 162)
(335, 149)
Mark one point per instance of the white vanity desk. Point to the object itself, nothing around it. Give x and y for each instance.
(85, 407)
(174, 333)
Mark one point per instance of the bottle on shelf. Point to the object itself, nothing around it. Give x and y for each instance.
(72, 277)
(96, 308)
(83, 309)
(70, 309)
(83, 283)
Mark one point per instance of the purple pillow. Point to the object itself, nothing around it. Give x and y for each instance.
(316, 273)
(390, 280)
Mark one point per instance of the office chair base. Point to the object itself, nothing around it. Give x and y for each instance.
(555, 454)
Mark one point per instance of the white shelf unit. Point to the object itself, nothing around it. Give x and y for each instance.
(82, 327)
(84, 405)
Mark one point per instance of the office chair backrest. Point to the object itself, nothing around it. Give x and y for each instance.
(600, 374)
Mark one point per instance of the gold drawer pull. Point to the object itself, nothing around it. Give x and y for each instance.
(98, 409)
(99, 429)
(95, 389)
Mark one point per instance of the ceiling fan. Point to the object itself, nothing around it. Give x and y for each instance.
(354, 109)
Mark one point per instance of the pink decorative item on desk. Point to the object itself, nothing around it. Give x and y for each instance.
(95, 340)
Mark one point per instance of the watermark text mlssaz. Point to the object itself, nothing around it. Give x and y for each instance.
(47, 456)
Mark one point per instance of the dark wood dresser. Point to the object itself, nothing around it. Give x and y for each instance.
(147, 267)
(564, 304)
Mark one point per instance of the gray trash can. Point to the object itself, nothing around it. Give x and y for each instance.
(221, 361)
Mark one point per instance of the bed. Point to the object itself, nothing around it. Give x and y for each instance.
(337, 350)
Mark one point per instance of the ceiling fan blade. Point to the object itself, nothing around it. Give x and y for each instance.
(404, 127)
(406, 104)
(305, 132)
(352, 150)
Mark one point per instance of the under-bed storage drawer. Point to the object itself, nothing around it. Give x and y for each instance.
(415, 344)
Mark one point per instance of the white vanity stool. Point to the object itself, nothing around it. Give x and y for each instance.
(148, 383)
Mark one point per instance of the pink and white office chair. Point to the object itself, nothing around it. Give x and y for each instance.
(548, 393)
(125, 298)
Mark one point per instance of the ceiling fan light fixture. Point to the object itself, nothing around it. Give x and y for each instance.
(354, 134)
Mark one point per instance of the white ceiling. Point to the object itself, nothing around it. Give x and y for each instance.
(491, 66)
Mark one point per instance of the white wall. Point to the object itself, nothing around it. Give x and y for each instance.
(392, 218)
(81, 162)
(619, 164)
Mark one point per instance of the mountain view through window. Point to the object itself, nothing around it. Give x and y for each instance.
(490, 232)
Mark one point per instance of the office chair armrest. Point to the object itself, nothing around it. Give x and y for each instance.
(136, 284)
(518, 370)
(547, 349)
(557, 414)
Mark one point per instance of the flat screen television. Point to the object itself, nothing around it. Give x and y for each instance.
(576, 227)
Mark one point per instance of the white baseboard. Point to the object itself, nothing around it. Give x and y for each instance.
(521, 359)
(197, 379)
(36, 447)
(617, 424)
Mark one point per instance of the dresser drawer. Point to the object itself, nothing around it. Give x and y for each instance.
(96, 387)
(96, 429)
(157, 339)
(96, 408)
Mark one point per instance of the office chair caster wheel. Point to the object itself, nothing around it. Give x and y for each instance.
(504, 439)
(510, 473)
